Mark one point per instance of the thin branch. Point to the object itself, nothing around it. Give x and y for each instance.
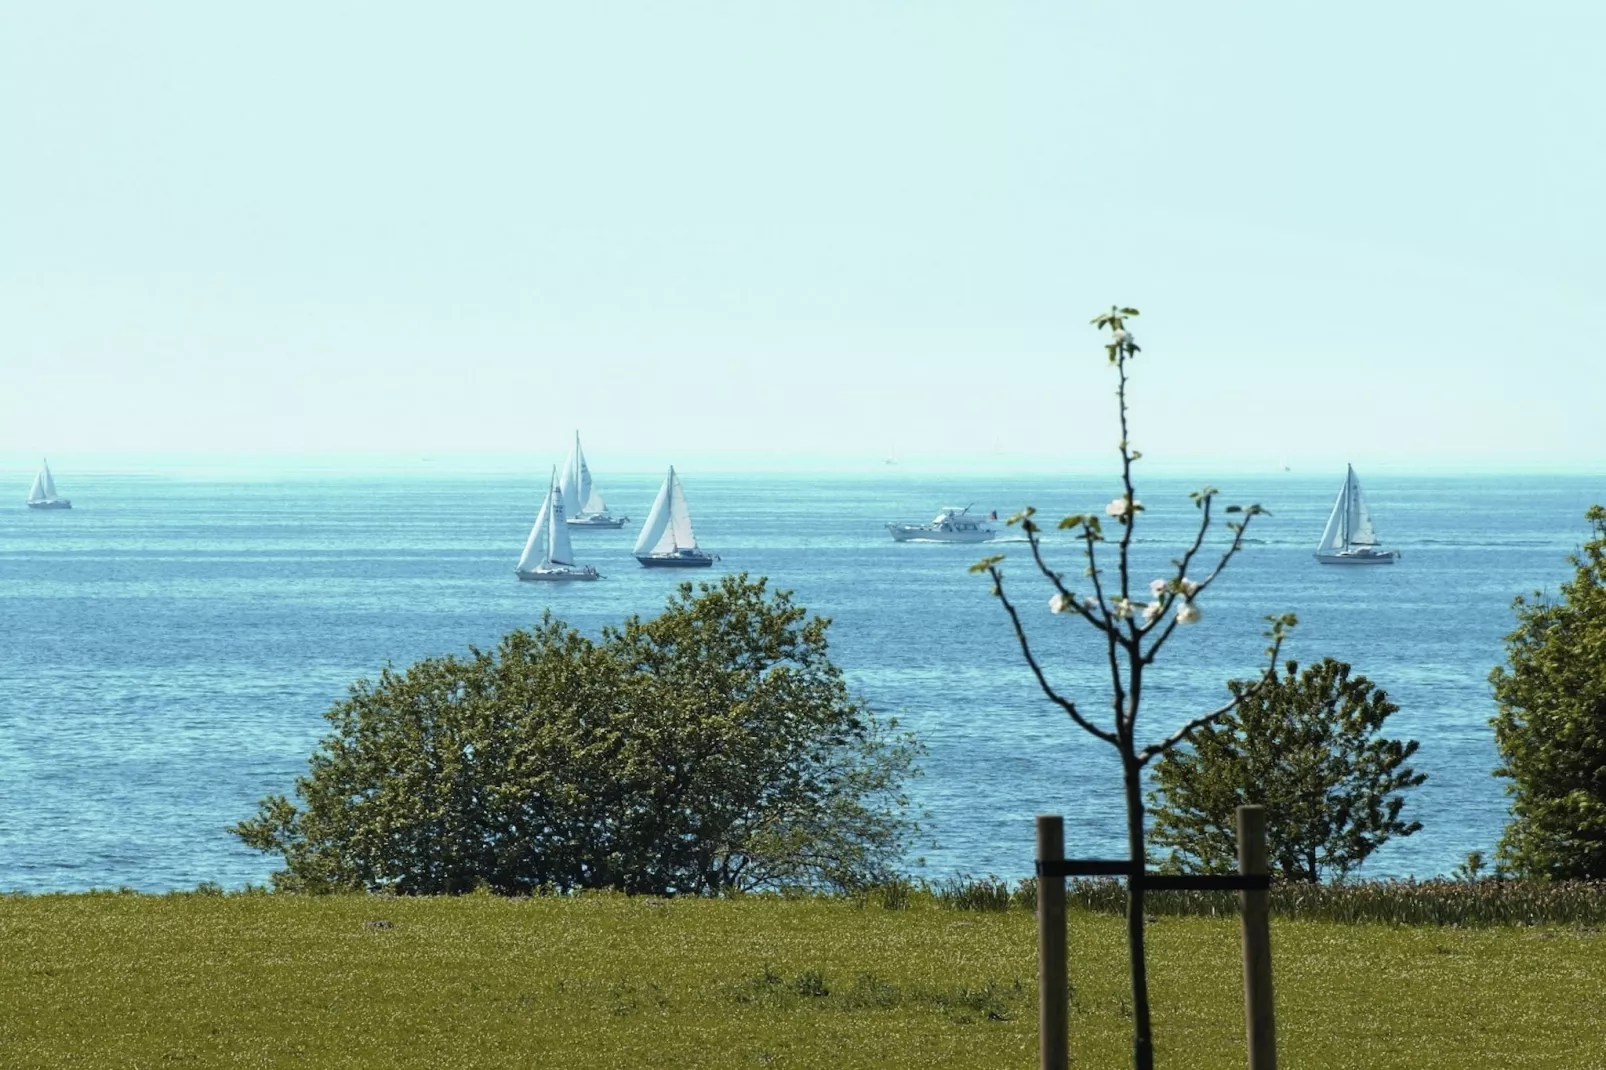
(1042, 681)
(1227, 555)
(1154, 750)
(1059, 585)
(1168, 598)
(1112, 633)
(1131, 516)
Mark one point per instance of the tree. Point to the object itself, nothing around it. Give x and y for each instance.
(1550, 724)
(712, 748)
(1133, 633)
(1304, 745)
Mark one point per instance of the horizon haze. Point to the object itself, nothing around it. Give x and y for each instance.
(828, 230)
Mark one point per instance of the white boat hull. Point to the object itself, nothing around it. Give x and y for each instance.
(926, 533)
(597, 521)
(53, 503)
(1370, 557)
(559, 575)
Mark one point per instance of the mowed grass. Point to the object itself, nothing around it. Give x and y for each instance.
(603, 981)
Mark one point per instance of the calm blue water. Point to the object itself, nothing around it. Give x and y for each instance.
(168, 647)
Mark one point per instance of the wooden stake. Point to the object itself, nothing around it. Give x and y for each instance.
(1255, 906)
(1053, 998)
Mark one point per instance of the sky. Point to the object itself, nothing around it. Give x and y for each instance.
(812, 232)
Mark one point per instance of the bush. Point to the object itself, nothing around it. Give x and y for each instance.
(1551, 724)
(712, 748)
(1305, 745)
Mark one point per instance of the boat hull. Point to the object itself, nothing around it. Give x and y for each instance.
(677, 560)
(596, 521)
(54, 503)
(566, 575)
(1384, 557)
(924, 533)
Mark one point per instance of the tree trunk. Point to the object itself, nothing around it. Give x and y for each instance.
(1142, 1035)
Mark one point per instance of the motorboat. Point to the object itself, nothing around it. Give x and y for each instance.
(953, 524)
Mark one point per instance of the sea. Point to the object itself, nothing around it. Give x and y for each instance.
(168, 647)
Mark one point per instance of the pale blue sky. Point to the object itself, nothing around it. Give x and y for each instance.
(1372, 232)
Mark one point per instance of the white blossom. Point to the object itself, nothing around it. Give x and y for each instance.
(1122, 506)
(1188, 613)
(1188, 587)
(1061, 602)
(1151, 611)
(1157, 587)
(1121, 608)
(1122, 336)
(1090, 603)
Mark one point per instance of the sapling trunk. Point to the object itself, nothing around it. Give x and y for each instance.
(1142, 1033)
(1133, 632)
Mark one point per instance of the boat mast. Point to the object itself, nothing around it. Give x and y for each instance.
(1349, 478)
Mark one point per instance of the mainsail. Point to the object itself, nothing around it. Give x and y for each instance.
(668, 526)
(1350, 523)
(44, 485)
(558, 550)
(580, 495)
(1360, 521)
(537, 550)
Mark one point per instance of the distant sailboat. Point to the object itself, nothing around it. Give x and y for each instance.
(547, 553)
(42, 495)
(666, 538)
(1349, 538)
(581, 499)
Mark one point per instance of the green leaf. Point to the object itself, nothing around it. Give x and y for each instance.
(1072, 521)
(986, 563)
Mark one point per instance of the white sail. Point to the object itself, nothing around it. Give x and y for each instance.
(535, 547)
(569, 484)
(49, 480)
(558, 551)
(668, 526)
(1360, 521)
(36, 493)
(1349, 527)
(1333, 535)
(580, 494)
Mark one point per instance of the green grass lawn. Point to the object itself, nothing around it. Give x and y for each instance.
(196, 980)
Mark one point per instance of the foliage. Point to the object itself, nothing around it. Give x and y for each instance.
(1306, 746)
(605, 980)
(1135, 622)
(1550, 724)
(714, 747)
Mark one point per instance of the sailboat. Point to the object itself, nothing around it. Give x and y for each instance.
(42, 495)
(547, 553)
(581, 499)
(1349, 538)
(666, 538)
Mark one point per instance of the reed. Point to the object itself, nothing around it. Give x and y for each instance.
(1489, 902)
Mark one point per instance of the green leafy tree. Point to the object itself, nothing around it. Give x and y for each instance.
(1550, 724)
(1134, 621)
(712, 748)
(1306, 746)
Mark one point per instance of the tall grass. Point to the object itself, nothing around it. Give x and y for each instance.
(1489, 902)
